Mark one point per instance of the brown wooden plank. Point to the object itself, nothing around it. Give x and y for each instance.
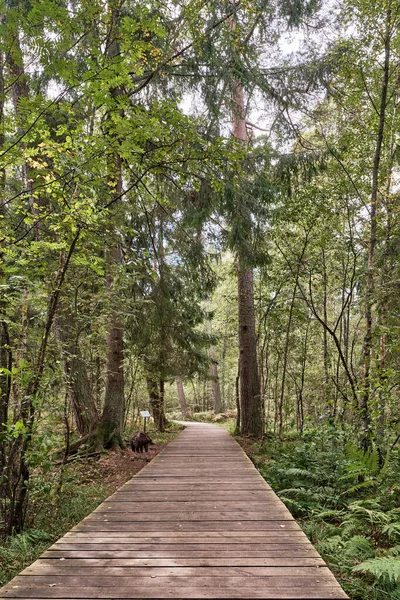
(284, 544)
(122, 538)
(209, 553)
(137, 581)
(57, 568)
(322, 593)
(210, 506)
(185, 562)
(179, 525)
(204, 515)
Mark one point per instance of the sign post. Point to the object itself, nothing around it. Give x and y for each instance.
(145, 414)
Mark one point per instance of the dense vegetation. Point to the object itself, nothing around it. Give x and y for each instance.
(200, 210)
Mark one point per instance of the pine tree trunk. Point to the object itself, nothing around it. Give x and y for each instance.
(112, 419)
(181, 396)
(163, 421)
(155, 404)
(215, 382)
(110, 430)
(250, 401)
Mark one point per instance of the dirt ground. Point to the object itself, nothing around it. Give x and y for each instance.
(117, 467)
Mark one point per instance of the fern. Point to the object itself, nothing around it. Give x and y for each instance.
(360, 487)
(392, 530)
(330, 545)
(368, 462)
(358, 547)
(371, 515)
(301, 473)
(334, 515)
(385, 569)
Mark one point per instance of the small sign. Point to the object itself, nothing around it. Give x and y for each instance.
(145, 413)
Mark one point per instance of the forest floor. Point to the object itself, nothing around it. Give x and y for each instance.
(61, 497)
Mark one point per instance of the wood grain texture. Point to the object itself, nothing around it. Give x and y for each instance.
(199, 521)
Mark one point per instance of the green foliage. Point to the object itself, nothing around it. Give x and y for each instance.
(355, 527)
(386, 569)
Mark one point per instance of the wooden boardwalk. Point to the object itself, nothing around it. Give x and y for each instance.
(198, 522)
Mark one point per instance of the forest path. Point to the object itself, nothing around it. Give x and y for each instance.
(199, 521)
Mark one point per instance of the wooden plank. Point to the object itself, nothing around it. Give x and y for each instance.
(137, 581)
(197, 522)
(180, 525)
(284, 544)
(171, 561)
(210, 506)
(322, 593)
(122, 538)
(55, 568)
(209, 553)
(203, 515)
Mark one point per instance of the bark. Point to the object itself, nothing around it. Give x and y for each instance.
(79, 388)
(110, 430)
(163, 421)
(181, 397)
(156, 407)
(370, 282)
(250, 401)
(112, 418)
(237, 397)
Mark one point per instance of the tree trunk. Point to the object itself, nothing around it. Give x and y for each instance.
(215, 382)
(250, 401)
(181, 396)
(110, 431)
(112, 419)
(370, 283)
(155, 404)
(237, 397)
(80, 391)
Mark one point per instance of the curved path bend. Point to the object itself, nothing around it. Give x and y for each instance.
(199, 521)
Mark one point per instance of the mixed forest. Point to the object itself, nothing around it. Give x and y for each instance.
(199, 216)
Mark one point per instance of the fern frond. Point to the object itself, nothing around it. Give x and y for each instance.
(367, 484)
(359, 459)
(392, 530)
(383, 568)
(296, 472)
(394, 551)
(358, 547)
(330, 545)
(329, 514)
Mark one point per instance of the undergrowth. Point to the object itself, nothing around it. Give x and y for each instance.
(347, 502)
